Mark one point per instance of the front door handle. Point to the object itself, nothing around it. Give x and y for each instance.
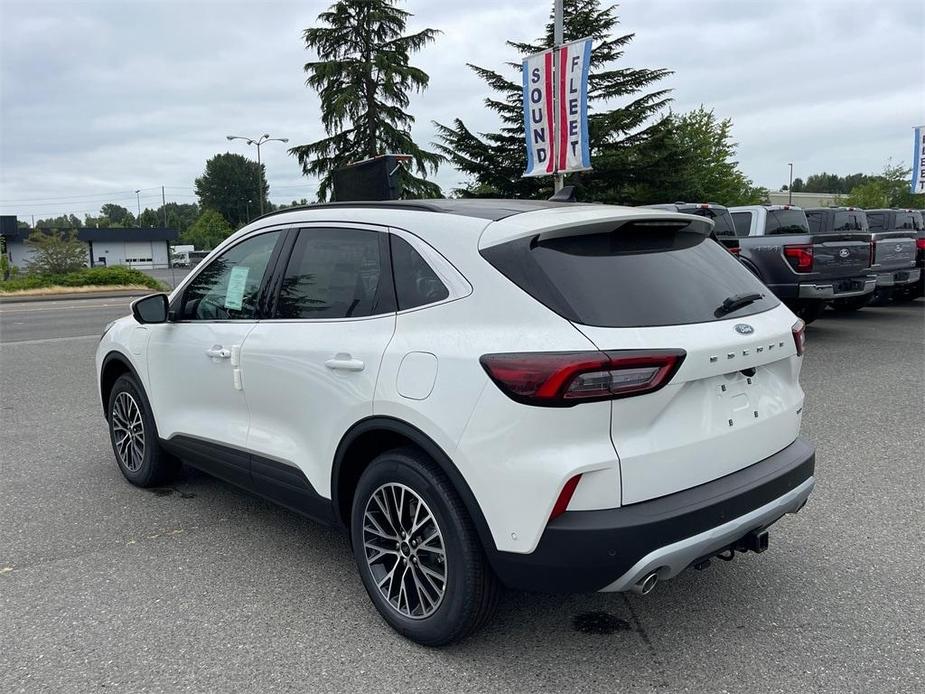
(344, 362)
(218, 352)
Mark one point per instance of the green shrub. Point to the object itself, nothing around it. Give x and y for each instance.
(95, 276)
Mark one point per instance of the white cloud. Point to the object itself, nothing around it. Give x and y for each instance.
(99, 97)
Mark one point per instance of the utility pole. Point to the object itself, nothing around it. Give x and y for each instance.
(164, 205)
(790, 185)
(138, 198)
(558, 21)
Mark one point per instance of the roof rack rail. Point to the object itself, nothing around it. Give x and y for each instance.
(392, 204)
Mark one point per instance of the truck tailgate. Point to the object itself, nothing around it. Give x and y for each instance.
(894, 250)
(841, 254)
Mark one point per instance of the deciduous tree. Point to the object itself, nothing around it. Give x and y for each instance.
(55, 253)
(209, 230)
(230, 186)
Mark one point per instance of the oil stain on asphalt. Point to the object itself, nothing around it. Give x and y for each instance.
(599, 623)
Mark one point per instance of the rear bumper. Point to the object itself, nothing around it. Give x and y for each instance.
(898, 277)
(583, 551)
(838, 289)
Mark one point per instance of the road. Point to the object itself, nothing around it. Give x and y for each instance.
(200, 587)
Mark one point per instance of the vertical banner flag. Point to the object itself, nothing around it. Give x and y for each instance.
(918, 161)
(556, 124)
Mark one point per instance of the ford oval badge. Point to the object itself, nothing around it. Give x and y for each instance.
(744, 329)
(844, 253)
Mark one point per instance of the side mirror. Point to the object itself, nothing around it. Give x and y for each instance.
(151, 309)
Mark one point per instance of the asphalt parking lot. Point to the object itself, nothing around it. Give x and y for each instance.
(200, 587)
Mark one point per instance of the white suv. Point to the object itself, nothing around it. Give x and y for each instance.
(549, 396)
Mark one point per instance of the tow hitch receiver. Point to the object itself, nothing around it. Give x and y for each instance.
(756, 541)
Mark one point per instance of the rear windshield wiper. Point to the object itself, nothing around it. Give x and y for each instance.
(735, 302)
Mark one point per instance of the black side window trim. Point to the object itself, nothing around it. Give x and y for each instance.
(176, 306)
(385, 292)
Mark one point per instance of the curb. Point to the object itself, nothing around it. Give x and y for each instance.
(120, 294)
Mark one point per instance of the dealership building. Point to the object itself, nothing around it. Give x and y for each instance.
(144, 248)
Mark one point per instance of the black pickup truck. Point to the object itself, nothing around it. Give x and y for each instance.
(891, 247)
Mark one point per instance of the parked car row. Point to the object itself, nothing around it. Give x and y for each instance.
(843, 257)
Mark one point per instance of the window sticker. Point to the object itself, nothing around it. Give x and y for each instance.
(237, 282)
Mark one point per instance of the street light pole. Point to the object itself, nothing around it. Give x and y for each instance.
(138, 200)
(258, 141)
(790, 185)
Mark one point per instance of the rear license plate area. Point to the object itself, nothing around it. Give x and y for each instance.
(736, 402)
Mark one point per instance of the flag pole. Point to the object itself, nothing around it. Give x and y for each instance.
(558, 178)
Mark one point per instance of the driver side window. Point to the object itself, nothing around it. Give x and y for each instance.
(228, 288)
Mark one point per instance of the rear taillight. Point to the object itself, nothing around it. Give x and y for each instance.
(920, 243)
(799, 337)
(734, 250)
(800, 257)
(562, 379)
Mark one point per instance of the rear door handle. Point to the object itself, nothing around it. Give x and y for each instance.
(344, 362)
(218, 352)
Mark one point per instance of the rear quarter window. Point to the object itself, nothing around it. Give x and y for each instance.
(633, 276)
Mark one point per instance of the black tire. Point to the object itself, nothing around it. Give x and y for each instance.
(471, 590)
(154, 466)
(855, 303)
(808, 311)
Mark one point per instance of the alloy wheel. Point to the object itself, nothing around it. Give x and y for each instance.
(405, 551)
(128, 431)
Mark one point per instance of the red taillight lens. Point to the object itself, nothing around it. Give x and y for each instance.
(561, 379)
(799, 336)
(734, 250)
(565, 496)
(800, 257)
(920, 243)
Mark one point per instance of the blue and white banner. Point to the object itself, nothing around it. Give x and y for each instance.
(556, 126)
(918, 161)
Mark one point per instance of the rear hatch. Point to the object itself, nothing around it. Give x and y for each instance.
(661, 284)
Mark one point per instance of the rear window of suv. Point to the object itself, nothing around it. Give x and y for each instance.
(634, 276)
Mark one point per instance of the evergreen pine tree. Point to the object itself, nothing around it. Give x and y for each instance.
(495, 161)
(363, 78)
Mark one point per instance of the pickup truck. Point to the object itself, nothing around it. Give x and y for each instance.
(723, 229)
(897, 252)
(891, 248)
(806, 270)
(913, 291)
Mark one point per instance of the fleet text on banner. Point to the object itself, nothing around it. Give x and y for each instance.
(918, 161)
(572, 123)
(538, 116)
(557, 132)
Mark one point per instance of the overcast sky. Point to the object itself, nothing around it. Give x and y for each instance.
(98, 99)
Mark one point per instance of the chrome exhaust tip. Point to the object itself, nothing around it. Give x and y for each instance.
(645, 586)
